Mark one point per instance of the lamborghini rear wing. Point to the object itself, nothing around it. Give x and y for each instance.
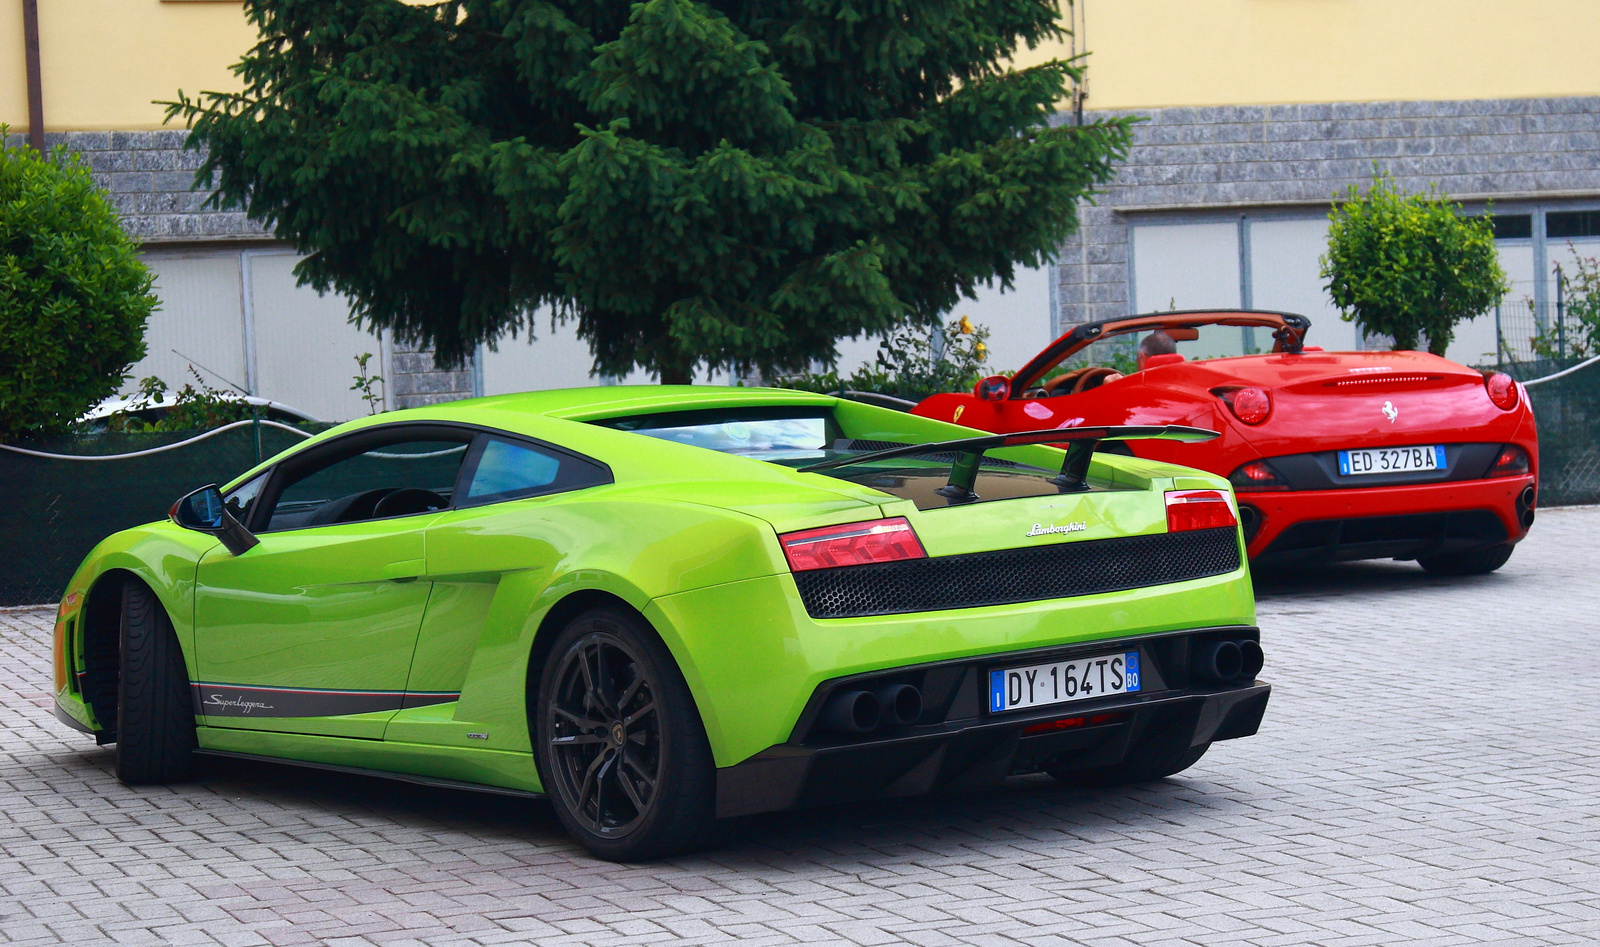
(1080, 443)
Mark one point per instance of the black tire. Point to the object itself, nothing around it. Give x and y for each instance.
(155, 713)
(621, 749)
(1480, 561)
(1147, 763)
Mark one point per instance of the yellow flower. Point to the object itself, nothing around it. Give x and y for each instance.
(981, 351)
(966, 326)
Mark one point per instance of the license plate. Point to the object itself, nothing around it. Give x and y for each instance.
(1380, 460)
(1060, 682)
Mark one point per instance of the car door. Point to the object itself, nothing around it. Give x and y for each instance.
(490, 556)
(312, 631)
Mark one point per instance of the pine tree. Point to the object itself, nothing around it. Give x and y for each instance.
(721, 183)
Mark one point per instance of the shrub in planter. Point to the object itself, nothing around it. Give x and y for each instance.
(74, 296)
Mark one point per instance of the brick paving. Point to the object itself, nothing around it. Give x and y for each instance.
(1428, 773)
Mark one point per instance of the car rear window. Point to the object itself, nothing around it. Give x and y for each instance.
(764, 433)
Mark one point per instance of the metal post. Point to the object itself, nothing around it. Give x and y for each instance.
(30, 53)
(1499, 340)
(1561, 312)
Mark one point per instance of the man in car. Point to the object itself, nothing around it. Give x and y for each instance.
(1156, 343)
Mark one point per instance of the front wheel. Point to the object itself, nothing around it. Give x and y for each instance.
(1481, 561)
(155, 713)
(619, 742)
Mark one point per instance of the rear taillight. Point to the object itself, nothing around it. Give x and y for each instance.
(1513, 460)
(852, 544)
(1249, 404)
(1198, 509)
(1502, 390)
(1257, 475)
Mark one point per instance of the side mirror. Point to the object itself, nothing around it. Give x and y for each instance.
(993, 388)
(204, 512)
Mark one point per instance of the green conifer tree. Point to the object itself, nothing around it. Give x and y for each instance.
(722, 183)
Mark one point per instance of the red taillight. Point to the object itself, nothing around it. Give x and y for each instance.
(1198, 509)
(1250, 405)
(1257, 475)
(1502, 390)
(852, 544)
(1513, 460)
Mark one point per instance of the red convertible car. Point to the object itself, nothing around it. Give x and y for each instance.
(1334, 455)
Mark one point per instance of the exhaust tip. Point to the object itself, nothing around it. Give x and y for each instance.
(1253, 659)
(1218, 661)
(901, 703)
(853, 712)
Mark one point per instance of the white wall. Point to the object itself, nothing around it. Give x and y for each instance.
(1190, 266)
(237, 316)
(1286, 275)
(199, 316)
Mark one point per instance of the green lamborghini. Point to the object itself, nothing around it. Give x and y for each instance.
(662, 607)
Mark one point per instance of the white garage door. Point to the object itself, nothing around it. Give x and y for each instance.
(198, 322)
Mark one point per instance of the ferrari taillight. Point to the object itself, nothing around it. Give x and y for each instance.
(1502, 390)
(1257, 475)
(1249, 404)
(852, 544)
(1512, 460)
(1198, 509)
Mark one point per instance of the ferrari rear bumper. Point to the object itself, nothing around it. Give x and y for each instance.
(1399, 522)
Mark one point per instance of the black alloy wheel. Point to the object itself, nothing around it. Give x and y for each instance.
(622, 752)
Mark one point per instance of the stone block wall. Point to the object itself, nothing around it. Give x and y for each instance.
(1283, 155)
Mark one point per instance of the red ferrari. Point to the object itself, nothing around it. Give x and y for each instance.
(1334, 455)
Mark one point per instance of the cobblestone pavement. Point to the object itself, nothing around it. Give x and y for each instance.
(1428, 773)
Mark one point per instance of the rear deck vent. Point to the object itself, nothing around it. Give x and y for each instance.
(1009, 576)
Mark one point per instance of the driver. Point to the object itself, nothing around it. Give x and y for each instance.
(1156, 343)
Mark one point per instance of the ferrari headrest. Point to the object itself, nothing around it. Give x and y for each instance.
(1156, 361)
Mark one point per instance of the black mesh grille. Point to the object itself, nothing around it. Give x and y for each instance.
(1059, 570)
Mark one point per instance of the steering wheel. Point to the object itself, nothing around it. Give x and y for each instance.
(1064, 383)
(349, 509)
(409, 500)
(1092, 377)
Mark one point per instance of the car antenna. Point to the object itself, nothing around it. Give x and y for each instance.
(210, 372)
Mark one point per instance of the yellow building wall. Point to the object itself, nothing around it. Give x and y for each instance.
(1153, 53)
(105, 61)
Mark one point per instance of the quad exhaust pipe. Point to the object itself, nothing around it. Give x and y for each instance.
(1221, 662)
(862, 711)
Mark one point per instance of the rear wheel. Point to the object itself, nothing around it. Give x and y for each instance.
(155, 713)
(1472, 562)
(620, 746)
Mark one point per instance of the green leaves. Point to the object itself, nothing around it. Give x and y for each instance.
(696, 182)
(1410, 266)
(74, 296)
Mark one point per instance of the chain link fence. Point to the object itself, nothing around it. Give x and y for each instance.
(1567, 409)
(56, 509)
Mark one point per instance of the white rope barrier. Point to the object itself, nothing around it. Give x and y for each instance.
(153, 450)
(1564, 372)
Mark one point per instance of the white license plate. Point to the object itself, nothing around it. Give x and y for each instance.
(1380, 460)
(1040, 685)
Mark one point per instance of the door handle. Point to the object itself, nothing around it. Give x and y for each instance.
(407, 570)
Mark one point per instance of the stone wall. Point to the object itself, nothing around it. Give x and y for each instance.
(1262, 156)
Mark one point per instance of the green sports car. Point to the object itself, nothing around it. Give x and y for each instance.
(662, 607)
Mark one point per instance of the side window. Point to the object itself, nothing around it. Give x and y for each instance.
(396, 479)
(507, 470)
(241, 500)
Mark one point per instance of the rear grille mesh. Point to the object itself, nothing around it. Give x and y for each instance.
(1008, 576)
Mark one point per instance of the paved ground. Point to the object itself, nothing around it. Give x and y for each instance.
(1429, 773)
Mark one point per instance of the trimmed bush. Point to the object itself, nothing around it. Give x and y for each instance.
(74, 297)
(1410, 265)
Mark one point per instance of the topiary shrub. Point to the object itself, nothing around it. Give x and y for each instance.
(1410, 265)
(74, 297)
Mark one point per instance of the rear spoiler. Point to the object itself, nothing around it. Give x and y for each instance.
(1080, 445)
